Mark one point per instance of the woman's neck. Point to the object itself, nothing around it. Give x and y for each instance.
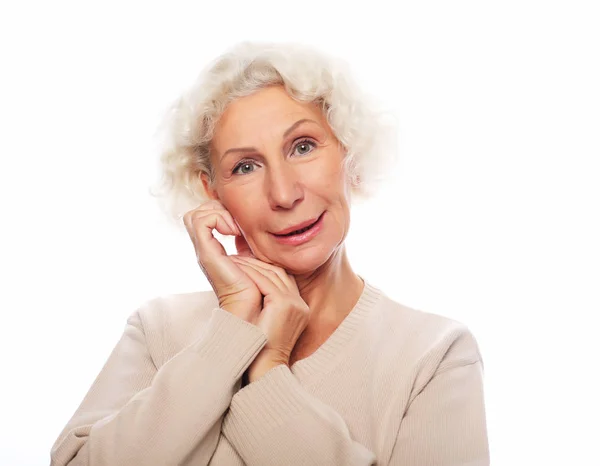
(331, 291)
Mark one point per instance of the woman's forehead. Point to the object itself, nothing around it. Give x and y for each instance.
(271, 104)
(269, 114)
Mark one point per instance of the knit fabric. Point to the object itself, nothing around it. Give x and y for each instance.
(391, 386)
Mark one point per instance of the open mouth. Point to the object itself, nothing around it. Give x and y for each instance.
(297, 232)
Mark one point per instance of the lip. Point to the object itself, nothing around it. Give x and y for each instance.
(304, 237)
(297, 227)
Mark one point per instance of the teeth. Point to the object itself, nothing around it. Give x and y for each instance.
(297, 232)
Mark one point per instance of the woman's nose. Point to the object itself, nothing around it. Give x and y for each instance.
(283, 186)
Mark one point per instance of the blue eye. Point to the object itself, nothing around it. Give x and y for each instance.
(302, 147)
(243, 163)
(306, 144)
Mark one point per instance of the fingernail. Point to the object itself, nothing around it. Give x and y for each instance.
(233, 227)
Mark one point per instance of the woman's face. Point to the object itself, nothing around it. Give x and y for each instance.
(278, 164)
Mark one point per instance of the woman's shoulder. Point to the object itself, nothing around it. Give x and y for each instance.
(412, 319)
(179, 305)
(171, 322)
(426, 337)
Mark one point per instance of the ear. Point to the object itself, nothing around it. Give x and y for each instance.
(211, 193)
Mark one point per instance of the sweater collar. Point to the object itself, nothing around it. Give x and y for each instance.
(342, 338)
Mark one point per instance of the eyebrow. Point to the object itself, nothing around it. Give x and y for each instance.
(285, 133)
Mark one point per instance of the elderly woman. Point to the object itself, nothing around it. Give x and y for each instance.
(292, 358)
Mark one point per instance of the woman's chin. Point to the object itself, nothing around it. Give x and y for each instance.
(303, 262)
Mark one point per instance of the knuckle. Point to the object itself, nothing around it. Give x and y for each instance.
(210, 205)
(199, 219)
(186, 219)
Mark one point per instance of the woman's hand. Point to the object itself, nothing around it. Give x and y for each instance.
(284, 315)
(237, 293)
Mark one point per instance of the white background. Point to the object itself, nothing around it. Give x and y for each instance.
(493, 219)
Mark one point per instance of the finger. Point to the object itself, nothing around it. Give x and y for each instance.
(242, 247)
(211, 256)
(202, 227)
(221, 220)
(266, 283)
(230, 221)
(211, 204)
(209, 251)
(217, 206)
(286, 279)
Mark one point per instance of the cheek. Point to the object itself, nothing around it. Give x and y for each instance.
(326, 175)
(245, 209)
(235, 204)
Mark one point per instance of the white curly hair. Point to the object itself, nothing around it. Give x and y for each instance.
(308, 75)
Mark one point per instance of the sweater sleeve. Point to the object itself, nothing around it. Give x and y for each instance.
(445, 424)
(275, 421)
(136, 414)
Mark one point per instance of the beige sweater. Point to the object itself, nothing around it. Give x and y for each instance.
(391, 386)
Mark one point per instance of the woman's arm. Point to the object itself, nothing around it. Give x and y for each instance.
(135, 414)
(445, 425)
(275, 421)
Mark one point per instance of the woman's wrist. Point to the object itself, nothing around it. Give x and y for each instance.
(261, 367)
